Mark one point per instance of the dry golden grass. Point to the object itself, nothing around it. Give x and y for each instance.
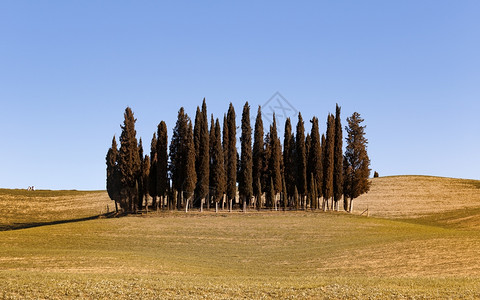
(21, 207)
(424, 246)
(418, 196)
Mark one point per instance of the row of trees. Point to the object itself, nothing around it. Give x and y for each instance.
(201, 166)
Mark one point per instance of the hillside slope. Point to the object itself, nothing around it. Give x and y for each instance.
(418, 196)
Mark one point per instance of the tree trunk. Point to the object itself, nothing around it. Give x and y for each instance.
(230, 206)
(350, 210)
(116, 206)
(201, 204)
(245, 204)
(223, 202)
(186, 205)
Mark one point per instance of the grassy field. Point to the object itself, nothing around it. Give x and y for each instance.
(292, 255)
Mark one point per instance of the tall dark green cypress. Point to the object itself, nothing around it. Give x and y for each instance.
(267, 154)
(301, 158)
(140, 182)
(129, 164)
(202, 166)
(225, 148)
(179, 151)
(308, 146)
(315, 153)
(211, 141)
(152, 178)
(258, 155)
(289, 165)
(245, 183)
(328, 160)
(162, 162)
(145, 180)
(231, 154)
(190, 174)
(218, 169)
(113, 178)
(357, 162)
(276, 156)
(338, 159)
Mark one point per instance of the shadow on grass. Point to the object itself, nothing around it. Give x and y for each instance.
(17, 226)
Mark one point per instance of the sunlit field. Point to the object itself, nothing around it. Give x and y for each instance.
(430, 253)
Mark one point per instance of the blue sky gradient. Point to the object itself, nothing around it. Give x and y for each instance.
(68, 69)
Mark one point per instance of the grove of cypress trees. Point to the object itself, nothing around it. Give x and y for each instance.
(162, 163)
(129, 164)
(258, 155)
(231, 155)
(245, 183)
(338, 159)
(316, 167)
(328, 161)
(357, 162)
(218, 169)
(301, 159)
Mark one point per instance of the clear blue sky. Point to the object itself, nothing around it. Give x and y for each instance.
(68, 69)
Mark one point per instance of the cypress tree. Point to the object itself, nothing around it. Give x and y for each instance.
(218, 170)
(357, 160)
(152, 178)
(276, 156)
(113, 179)
(211, 141)
(245, 184)
(315, 153)
(289, 158)
(328, 160)
(308, 146)
(140, 182)
(225, 148)
(128, 162)
(301, 158)
(231, 155)
(202, 166)
(267, 154)
(258, 155)
(196, 136)
(162, 162)
(145, 180)
(179, 153)
(338, 159)
(190, 174)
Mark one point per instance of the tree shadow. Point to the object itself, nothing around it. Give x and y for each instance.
(18, 226)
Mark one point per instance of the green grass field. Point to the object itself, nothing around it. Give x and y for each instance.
(292, 255)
